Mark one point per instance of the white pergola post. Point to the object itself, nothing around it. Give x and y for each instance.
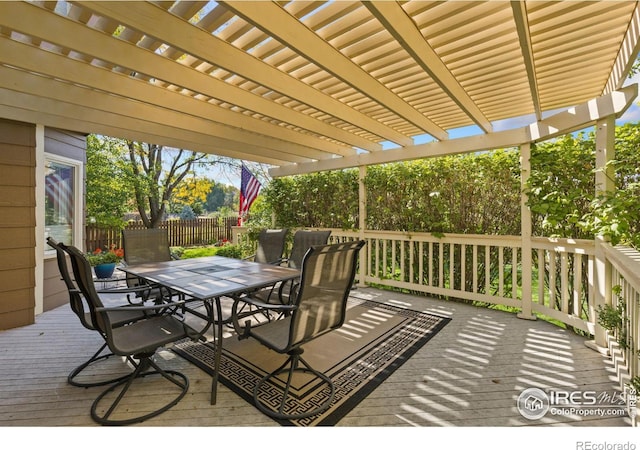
(525, 233)
(40, 220)
(362, 218)
(605, 152)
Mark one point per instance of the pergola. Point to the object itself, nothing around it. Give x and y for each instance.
(308, 86)
(305, 85)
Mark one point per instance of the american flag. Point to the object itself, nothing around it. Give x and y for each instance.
(249, 188)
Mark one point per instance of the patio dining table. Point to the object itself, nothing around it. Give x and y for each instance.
(208, 279)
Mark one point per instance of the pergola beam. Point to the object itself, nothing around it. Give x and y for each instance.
(574, 119)
(71, 95)
(627, 54)
(151, 20)
(400, 26)
(277, 22)
(55, 113)
(56, 66)
(524, 36)
(35, 21)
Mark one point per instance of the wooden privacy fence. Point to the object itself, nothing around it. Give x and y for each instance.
(182, 233)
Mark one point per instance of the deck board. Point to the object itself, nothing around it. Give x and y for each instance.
(470, 374)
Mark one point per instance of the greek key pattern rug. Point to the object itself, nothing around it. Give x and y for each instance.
(375, 340)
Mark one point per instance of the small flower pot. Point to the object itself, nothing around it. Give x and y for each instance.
(104, 270)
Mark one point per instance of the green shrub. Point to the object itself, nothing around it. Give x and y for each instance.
(230, 251)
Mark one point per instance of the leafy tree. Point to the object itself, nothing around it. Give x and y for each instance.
(562, 188)
(154, 179)
(454, 194)
(108, 195)
(562, 185)
(187, 213)
(220, 196)
(123, 176)
(324, 199)
(616, 214)
(192, 192)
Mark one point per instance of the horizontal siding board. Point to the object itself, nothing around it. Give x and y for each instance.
(56, 300)
(56, 293)
(12, 175)
(13, 279)
(17, 196)
(17, 238)
(17, 299)
(17, 318)
(67, 138)
(17, 223)
(65, 144)
(19, 133)
(13, 217)
(50, 269)
(17, 258)
(17, 155)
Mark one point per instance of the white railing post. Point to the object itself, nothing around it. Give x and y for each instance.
(235, 234)
(525, 233)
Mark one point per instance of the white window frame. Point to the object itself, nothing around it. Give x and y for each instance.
(78, 195)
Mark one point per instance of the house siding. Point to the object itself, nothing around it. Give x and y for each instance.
(17, 223)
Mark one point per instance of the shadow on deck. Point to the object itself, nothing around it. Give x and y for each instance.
(469, 375)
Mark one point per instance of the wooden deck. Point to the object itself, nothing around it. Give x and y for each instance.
(470, 374)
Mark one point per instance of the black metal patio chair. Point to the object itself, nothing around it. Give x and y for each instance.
(118, 317)
(271, 243)
(146, 246)
(138, 343)
(319, 307)
(302, 241)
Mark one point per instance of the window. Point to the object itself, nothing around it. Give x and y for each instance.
(61, 200)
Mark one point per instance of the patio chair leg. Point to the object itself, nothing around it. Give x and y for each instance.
(177, 378)
(71, 378)
(294, 363)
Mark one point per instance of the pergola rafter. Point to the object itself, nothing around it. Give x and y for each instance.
(305, 86)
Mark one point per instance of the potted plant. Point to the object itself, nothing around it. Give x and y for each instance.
(104, 261)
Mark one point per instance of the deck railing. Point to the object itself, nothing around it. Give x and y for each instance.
(483, 268)
(486, 269)
(490, 269)
(624, 343)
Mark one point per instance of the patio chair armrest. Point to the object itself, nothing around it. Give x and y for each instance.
(243, 330)
(124, 290)
(143, 308)
(277, 262)
(262, 304)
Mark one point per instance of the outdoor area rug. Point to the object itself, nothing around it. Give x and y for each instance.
(375, 340)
